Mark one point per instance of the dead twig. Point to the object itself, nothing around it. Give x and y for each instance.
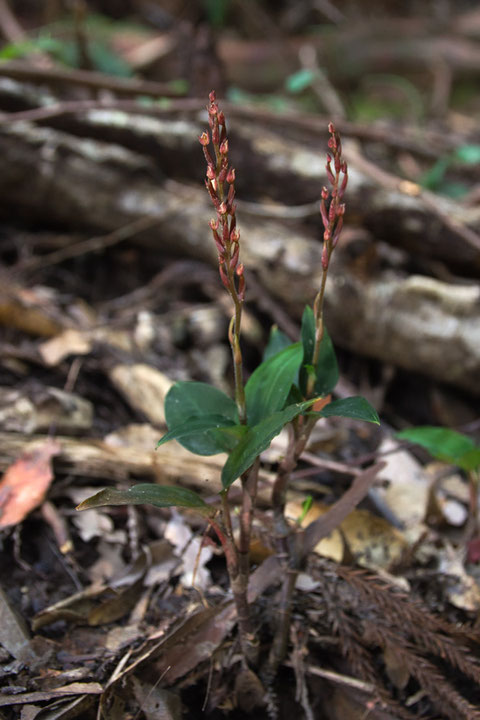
(19, 70)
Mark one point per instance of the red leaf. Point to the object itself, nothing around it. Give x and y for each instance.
(25, 483)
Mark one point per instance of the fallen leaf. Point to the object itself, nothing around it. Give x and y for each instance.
(462, 590)
(25, 483)
(157, 702)
(90, 688)
(14, 636)
(407, 489)
(69, 342)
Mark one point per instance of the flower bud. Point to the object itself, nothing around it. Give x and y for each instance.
(331, 128)
(234, 258)
(330, 174)
(210, 172)
(235, 235)
(324, 193)
(323, 213)
(223, 273)
(212, 96)
(225, 232)
(221, 118)
(213, 224)
(240, 270)
(338, 230)
(224, 148)
(231, 176)
(222, 208)
(204, 139)
(341, 209)
(219, 244)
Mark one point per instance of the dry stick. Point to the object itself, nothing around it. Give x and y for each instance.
(20, 70)
(94, 244)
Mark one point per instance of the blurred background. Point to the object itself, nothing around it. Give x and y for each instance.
(101, 189)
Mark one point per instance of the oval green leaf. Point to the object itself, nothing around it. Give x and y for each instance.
(326, 370)
(269, 385)
(148, 494)
(356, 408)
(188, 400)
(257, 439)
(445, 444)
(197, 426)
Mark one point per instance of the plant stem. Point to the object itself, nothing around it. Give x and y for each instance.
(300, 430)
(234, 339)
(286, 542)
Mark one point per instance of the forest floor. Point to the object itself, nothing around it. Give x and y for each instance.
(110, 293)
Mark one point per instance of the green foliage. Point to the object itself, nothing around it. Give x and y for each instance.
(355, 407)
(198, 426)
(59, 41)
(148, 493)
(435, 178)
(269, 385)
(276, 342)
(257, 439)
(217, 12)
(300, 80)
(326, 371)
(446, 445)
(186, 401)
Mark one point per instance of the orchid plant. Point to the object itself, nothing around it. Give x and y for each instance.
(291, 387)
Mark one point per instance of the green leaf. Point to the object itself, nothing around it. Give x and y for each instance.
(445, 444)
(196, 426)
(257, 439)
(276, 342)
(353, 407)
(433, 177)
(188, 400)
(148, 493)
(326, 370)
(267, 388)
(468, 154)
(217, 11)
(300, 80)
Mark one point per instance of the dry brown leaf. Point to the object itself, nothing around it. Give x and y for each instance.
(462, 590)
(407, 490)
(370, 539)
(69, 342)
(25, 483)
(157, 702)
(27, 311)
(395, 667)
